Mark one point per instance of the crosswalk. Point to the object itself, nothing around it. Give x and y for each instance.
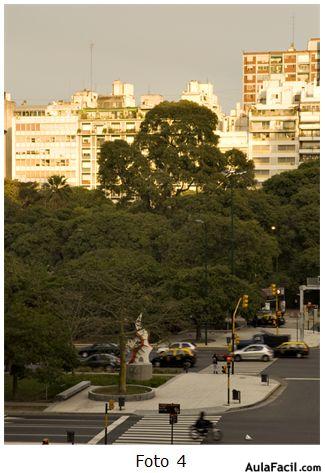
(155, 429)
(242, 367)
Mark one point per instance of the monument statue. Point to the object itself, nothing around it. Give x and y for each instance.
(140, 345)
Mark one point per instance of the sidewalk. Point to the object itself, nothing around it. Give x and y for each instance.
(193, 391)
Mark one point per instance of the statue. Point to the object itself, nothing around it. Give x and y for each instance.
(140, 344)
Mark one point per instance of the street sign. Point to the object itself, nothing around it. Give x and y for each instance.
(173, 418)
(169, 408)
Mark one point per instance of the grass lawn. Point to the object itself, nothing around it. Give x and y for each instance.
(129, 390)
(31, 390)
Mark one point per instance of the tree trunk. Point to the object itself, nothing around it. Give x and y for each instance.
(14, 386)
(122, 375)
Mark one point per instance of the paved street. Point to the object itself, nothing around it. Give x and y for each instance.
(32, 428)
(292, 417)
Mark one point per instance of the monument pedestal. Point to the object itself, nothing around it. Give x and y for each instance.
(138, 371)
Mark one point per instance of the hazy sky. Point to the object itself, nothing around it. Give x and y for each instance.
(161, 47)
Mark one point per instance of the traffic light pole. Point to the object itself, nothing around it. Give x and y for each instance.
(233, 334)
(276, 312)
(228, 383)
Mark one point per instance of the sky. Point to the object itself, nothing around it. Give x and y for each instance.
(158, 48)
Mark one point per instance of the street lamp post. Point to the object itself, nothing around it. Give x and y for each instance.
(205, 277)
(273, 228)
(231, 175)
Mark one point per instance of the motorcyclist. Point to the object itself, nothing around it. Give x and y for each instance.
(202, 424)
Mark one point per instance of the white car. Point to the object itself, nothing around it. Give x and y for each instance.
(254, 352)
(189, 345)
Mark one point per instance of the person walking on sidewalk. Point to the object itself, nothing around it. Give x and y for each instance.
(215, 363)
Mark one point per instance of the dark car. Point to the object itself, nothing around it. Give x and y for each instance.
(110, 348)
(101, 360)
(175, 357)
(296, 349)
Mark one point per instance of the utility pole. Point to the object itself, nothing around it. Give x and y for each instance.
(232, 233)
(205, 287)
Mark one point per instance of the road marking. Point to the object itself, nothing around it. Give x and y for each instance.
(34, 435)
(155, 429)
(22, 426)
(111, 427)
(303, 379)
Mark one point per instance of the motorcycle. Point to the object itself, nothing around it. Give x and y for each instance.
(212, 434)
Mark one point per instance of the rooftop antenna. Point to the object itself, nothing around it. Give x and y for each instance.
(91, 66)
(293, 31)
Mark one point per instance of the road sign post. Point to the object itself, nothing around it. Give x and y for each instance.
(173, 410)
(106, 421)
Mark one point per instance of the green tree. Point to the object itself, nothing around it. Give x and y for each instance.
(116, 285)
(56, 190)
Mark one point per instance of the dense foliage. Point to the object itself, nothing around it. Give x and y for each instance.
(79, 266)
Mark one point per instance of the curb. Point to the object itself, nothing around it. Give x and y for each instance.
(275, 388)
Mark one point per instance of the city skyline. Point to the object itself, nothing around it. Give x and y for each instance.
(143, 54)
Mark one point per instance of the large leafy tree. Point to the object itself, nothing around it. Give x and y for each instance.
(175, 151)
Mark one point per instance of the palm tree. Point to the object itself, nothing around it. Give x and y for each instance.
(56, 190)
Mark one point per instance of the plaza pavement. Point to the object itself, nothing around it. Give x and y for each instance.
(193, 391)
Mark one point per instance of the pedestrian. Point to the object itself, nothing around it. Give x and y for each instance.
(186, 366)
(45, 441)
(215, 363)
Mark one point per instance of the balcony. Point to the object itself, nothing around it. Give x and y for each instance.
(309, 150)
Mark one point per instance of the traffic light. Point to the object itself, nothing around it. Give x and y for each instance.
(273, 288)
(245, 301)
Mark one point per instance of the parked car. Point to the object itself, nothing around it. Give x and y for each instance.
(297, 349)
(101, 360)
(254, 352)
(189, 345)
(110, 348)
(175, 357)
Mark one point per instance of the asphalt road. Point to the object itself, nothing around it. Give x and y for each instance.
(289, 417)
(88, 428)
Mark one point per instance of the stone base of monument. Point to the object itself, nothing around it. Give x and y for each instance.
(139, 371)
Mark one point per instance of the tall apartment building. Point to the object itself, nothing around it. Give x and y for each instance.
(309, 123)
(260, 66)
(45, 142)
(285, 111)
(100, 125)
(202, 94)
(65, 137)
(9, 107)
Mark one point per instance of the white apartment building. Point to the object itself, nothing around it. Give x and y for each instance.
(65, 137)
(274, 127)
(202, 94)
(149, 101)
(45, 142)
(233, 131)
(98, 126)
(309, 123)
(9, 107)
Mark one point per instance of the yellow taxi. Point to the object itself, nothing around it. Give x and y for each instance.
(297, 349)
(175, 357)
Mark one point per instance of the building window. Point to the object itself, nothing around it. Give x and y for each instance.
(286, 160)
(286, 148)
(261, 160)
